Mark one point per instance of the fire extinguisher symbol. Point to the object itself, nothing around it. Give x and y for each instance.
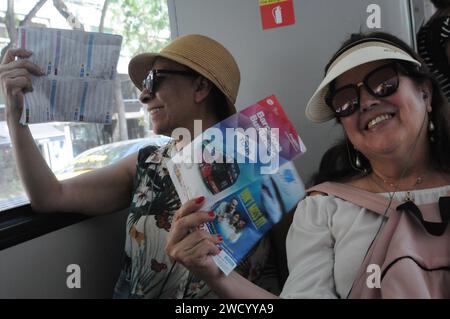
(276, 13)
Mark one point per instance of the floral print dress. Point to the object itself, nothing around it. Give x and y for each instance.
(147, 271)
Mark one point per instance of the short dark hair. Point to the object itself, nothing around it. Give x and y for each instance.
(441, 4)
(219, 104)
(336, 163)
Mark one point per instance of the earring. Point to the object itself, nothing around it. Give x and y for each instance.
(431, 130)
(430, 126)
(357, 161)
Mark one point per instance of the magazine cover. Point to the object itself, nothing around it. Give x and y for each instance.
(242, 167)
(235, 152)
(245, 216)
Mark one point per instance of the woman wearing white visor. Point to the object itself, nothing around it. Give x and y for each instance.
(397, 137)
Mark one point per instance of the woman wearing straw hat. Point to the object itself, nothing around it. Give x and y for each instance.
(193, 77)
(397, 138)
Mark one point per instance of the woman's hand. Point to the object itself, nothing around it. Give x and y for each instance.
(191, 246)
(194, 248)
(15, 80)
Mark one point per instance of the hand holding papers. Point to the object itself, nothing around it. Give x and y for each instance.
(80, 70)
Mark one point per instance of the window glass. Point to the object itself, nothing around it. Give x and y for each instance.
(144, 25)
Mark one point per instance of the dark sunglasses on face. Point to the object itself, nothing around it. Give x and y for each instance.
(381, 82)
(154, 77)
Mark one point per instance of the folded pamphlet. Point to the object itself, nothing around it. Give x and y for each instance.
(243, 167)
(80, 69)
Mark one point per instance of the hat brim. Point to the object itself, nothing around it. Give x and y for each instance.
(317, 110)
(141, 64)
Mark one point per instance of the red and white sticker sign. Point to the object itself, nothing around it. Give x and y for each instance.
(276, 13)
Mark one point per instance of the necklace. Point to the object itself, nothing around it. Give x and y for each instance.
(395, 186)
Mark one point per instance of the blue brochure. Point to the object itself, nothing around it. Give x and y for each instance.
(243, 167)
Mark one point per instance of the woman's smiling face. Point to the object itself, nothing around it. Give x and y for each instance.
(384, 126)
(172, 105)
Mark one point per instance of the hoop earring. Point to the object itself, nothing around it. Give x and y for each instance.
(431, 130)
(357, 160)
(357, 165)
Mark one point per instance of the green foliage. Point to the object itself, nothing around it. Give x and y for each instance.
(144, 24)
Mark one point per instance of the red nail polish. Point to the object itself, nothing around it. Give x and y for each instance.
(211, 214)
(219, 237)
(200, 199)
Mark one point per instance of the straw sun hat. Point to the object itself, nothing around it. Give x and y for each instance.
(357, 53)
(200, 53)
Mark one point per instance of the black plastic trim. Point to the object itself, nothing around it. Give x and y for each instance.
(20, 224)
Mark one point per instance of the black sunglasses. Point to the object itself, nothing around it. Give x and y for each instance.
(381, 82)
(154, 77)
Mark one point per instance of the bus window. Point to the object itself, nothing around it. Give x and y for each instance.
(60, 143)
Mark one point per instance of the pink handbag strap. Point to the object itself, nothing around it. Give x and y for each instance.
(374, 202)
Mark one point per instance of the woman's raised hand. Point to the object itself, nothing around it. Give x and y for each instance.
(15, 80)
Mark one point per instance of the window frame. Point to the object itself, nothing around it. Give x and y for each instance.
(21, 224)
